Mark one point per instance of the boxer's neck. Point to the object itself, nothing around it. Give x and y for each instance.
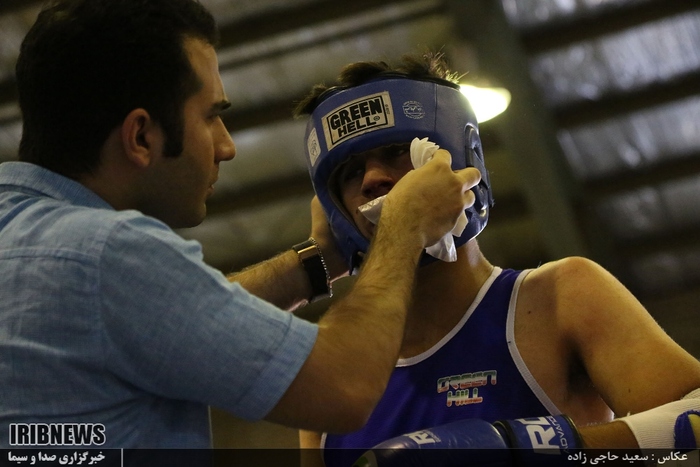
(442, 295)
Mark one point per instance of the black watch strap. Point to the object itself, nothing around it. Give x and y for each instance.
(312, 260)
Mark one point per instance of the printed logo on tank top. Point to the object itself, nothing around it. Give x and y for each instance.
(464, 389)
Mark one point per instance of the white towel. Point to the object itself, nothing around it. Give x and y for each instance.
(422, 151)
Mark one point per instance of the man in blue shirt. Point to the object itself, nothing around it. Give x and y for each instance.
(109, 320)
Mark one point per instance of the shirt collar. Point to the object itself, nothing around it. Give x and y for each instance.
(27, 177)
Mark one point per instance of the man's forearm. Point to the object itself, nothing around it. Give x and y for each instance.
(362, 333)
(280, 280)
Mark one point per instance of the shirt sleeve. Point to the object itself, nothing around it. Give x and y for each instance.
(177, 328)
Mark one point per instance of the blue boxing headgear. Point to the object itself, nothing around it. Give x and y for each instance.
(391, 109)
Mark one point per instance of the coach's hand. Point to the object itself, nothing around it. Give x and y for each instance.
(429, 200)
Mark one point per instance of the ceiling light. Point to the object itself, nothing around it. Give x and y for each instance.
(486, 102)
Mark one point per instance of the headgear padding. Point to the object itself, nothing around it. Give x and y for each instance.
(391, 109)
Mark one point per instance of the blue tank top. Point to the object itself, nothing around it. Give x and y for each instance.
(473, 372)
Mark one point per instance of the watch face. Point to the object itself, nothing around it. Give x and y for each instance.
(309, 252)
(306, 250)
(311, 259)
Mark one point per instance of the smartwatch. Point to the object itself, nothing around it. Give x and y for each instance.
(311, 259)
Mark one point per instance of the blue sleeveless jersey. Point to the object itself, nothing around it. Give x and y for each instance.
(473, 372)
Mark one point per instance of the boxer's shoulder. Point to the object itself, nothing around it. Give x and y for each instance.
(564, 272)
(565, 285)
(570, 298)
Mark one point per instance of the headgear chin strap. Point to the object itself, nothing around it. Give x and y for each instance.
(384, 111)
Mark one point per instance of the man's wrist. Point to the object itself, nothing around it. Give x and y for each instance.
(314, 264)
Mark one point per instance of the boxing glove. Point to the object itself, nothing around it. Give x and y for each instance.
(687, 430)
(540, 441)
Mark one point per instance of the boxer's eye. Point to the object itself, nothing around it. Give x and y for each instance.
(391, 153)
(351, 171)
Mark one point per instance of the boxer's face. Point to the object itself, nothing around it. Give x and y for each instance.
(369, 175)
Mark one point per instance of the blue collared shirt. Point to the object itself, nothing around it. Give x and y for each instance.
(109, 317)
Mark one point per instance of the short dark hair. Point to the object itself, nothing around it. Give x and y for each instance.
(85, 64)
(429, 65)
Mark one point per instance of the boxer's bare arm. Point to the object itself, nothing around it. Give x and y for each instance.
(630, 360)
